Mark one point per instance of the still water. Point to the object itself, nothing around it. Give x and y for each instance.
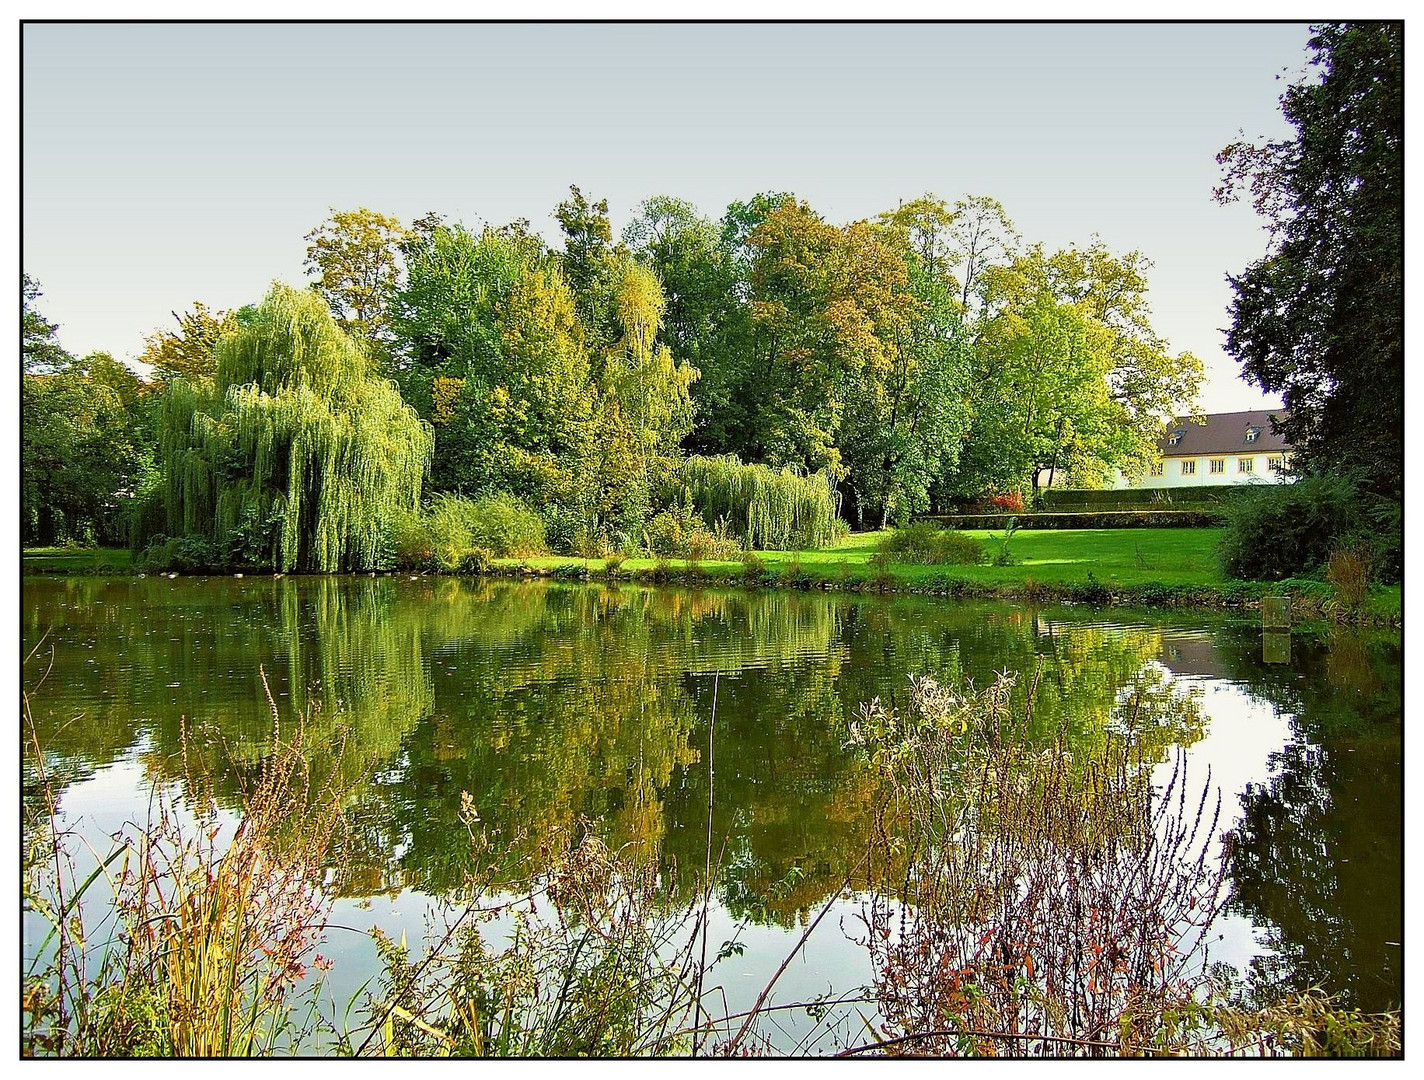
(550, 703)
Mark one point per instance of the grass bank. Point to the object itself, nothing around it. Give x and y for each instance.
(1138, 567)
(1148, 567)
(72, 560)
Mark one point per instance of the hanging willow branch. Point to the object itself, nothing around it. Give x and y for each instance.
(295, 453)
(770, 509)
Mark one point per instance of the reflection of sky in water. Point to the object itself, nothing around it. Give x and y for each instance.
(468, 683)
(1243, 734)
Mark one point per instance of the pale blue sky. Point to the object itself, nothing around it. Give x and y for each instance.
(166, 164)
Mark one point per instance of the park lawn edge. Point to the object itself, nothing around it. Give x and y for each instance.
(1311, 600)
(846, 567)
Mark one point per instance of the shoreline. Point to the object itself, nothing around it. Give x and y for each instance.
(1310, 600)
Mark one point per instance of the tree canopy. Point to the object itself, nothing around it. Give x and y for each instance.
(295, 455)
(907, 363)
(1320, 318)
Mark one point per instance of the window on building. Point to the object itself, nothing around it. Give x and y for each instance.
(1218, 464)
(1245, 464)
(1156, 468)
(1276, 464)
(1174, 438)
(1251, 433)
(1189, 468)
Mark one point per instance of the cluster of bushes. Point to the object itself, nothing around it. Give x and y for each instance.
(927, 543)
(1279, 531)
(680, 532)
(456, 534)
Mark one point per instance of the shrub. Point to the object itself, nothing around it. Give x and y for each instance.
(881, 579)
(408, 541)
(795, 575)
(474, 561)
(925, 542)
(507, 527)
(448, 523)
(1274, 531)
(680, 532)
(752, 567)
(1089, 519)
(186, 554)
(1008, 503)
(566, 531)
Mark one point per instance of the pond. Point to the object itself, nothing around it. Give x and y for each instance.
(551, 703)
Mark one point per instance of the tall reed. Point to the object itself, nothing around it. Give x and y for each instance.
(208, 939)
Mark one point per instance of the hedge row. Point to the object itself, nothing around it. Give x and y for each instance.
(1088, 519)
(1131, 498)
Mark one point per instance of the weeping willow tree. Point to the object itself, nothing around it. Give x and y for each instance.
(295, 454)
(771, 509)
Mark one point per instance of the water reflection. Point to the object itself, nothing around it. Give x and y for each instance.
(551, 703)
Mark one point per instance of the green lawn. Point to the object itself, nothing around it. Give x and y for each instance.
(1151, 566)
(66, 560)
(1048, 556)
(1134, 566)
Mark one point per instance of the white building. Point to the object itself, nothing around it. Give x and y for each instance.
(1229, 448)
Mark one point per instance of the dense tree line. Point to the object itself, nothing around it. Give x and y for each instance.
(921, 358)
(1320, 318)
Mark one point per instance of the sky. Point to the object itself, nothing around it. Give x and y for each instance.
(163, 164)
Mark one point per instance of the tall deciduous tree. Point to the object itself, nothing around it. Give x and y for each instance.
(355, 257)
(708, 319)
(188, 352)
(40, 351)
(1320, 319)
(297, 454)
(493, 355)
(589, 262)
(825, 303)
(649, 384)
(905, 430)
(980, 235)
(1071, 376)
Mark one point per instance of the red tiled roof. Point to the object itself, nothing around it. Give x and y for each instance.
(1223, 433)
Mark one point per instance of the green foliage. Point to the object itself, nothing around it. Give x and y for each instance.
(457, 534)
(925, 542)
(765, 508)
(40, 351)
(1320, 318)
(296, 451)
(1277, 531)
(189, 353)
(84, 431)
(355, 257)
(1070, 375)
(680, 532)
(505, 526)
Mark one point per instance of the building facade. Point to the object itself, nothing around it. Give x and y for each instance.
(1229, 448)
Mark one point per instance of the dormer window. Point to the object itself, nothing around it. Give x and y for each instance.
(1251, 433)
(1174, 438)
